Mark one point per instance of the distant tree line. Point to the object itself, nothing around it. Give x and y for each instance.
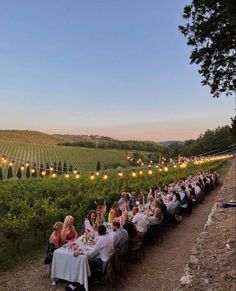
(216, 139)
(116, 144)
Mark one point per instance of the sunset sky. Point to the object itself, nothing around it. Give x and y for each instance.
(107, 67)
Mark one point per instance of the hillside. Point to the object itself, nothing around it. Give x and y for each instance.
(69, 138)
(88, 141)
(28, 136)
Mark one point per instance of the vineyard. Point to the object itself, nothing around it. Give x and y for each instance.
(79, 157)
(29, 207)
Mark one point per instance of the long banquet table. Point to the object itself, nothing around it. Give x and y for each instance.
(67, 267)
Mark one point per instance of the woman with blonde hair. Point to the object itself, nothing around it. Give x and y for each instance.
(115, 212)
(68, 232)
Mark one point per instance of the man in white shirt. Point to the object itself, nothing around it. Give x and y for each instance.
(140, 220)
(101, 252)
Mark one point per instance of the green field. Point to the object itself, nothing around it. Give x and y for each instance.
(84, 159)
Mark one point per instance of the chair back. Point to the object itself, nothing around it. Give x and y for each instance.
(113, 268)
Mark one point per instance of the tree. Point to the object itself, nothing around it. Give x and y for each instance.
(98, 167)
(19, 173)
(41, 169)
(47, 169)
(27, 173)
(34, 171)
(70, 169)
(65, 167)
(1, 175)
(9, 172)
(233, 127)
(211, 31)
(59, 168)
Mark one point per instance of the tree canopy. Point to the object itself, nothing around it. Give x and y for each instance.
(211, 32)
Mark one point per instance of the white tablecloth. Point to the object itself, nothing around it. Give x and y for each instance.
(67, 267)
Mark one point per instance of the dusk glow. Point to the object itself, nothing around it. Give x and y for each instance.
(113, 68)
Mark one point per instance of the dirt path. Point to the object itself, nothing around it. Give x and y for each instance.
(161, 269)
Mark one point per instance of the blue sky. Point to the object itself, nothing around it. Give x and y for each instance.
(108, 67)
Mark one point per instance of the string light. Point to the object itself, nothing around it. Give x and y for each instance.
(120, 174)
(54, 173)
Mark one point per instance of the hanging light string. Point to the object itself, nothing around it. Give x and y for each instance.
(162, 166)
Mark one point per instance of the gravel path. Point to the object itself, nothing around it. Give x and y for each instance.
(212, 264)
(161, 269)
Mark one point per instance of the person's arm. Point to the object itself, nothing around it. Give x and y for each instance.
(91, 253)
(76, 233)
(63, 236)
(134, 220)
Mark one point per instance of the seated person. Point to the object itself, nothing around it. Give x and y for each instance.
(156, 216)
(120, 238)
(155, 220)
(101, 210)
(115, 212)
(140, 220)
(54, 241)
(132, 201)
(178, 216)
(101, 252)
(68, 231)
(170, 205)
(132, 232)
(129, 227)
(90, 223)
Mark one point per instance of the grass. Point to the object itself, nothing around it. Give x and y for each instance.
(10, 258)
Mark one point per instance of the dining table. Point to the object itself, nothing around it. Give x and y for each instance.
(67, 267)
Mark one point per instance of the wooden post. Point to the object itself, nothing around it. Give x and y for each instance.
(126, 170)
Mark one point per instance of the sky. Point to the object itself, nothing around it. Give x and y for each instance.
(107, 67)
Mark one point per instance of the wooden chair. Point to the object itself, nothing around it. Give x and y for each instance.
(136, 250)
(111, 272)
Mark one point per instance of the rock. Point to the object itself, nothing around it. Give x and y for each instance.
(185, 279)
(193, 262)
